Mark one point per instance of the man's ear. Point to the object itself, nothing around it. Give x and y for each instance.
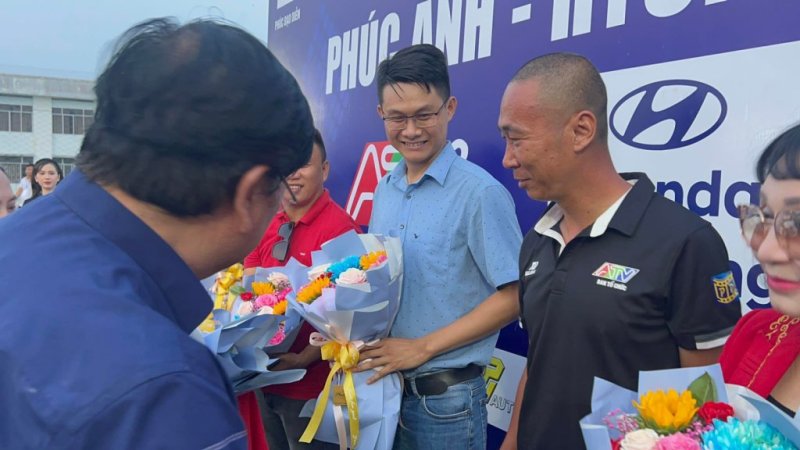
(252, 197)
(584, 130)
(326, 169)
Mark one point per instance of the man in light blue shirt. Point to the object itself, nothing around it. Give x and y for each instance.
(461, 241)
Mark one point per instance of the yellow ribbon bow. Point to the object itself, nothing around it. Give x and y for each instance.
(344, 357)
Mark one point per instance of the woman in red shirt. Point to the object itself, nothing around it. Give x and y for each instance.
(762, 353)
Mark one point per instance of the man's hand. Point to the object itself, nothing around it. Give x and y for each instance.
(392, 355)
(288, 361)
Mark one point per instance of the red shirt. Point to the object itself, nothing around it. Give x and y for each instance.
(323, 222)
(759, 352)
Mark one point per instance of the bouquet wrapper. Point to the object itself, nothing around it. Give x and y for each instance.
(347, 316)
(238, 346)
(292, 319)
(607, 396)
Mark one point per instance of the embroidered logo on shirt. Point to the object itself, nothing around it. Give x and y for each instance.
(532, 269)
(615, 276)
(725, 287)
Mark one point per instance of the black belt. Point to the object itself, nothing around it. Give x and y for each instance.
(437, 383)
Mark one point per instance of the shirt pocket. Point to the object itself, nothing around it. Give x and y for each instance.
(429, 255)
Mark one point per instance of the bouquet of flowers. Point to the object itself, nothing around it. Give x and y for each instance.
(351, 296)
(265, 293)
(239, 341)
(684, 409)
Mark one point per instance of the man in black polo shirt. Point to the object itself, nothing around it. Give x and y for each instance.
(614, 278)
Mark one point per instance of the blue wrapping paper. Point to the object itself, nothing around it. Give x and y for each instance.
(238, 344)
(364, 313)
(607, 396)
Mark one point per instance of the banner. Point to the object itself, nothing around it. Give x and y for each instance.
(696, 89)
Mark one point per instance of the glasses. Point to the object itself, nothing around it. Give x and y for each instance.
(281, 248)
(421, 120)
(756, 223)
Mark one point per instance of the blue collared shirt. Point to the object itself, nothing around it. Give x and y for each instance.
(461, 242)
(94, 321)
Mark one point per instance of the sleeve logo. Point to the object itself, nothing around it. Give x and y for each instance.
(725, 287)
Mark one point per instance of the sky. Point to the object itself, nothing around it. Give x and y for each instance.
(74, 38)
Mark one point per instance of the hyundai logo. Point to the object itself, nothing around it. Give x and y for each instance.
(668, 114)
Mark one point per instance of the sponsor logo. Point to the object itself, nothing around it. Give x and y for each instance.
(668, 114)
(532, 269)
(377, 159)
(614, 275)
(725, 287)
(492, 374)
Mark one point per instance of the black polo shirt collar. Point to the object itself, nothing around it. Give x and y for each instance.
(623, 215)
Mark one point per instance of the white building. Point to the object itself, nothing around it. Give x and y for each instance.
(42, 117)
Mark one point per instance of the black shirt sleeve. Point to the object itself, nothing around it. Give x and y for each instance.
(703, 300)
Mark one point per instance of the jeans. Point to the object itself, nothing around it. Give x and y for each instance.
(284, 426)
(455, 419)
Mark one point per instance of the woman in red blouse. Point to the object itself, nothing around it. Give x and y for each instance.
(762, 353)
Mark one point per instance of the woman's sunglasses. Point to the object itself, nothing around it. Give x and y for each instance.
(756, 223)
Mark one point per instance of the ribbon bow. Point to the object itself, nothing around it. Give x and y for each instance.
(343, 358)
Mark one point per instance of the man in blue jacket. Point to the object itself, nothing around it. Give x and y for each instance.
(195, 129)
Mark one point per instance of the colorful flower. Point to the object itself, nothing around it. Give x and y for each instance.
(279, 281)
(352, 276)
(338, 268)
(278, 338)
(313, 290)
(280, 308)
(247, 296)
(715, 410)
(262, 288)
(748, 435)
(639, 440)
(318, 271)
(667, 412)
(678, 441)
(372, 259)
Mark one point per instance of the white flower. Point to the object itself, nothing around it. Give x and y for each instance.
(315, 272)
(265, 310)
(352, 276)
(279, 280)
(645, 439)
(245, 308)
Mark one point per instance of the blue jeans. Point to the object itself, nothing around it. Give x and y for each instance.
(455, 419)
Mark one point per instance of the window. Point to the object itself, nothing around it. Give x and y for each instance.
(14, 166)
(17, 118)
(67, 164)
(71, 120)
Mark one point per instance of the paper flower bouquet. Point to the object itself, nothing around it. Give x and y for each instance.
(351, 295)
(239, 342)
(684, 409)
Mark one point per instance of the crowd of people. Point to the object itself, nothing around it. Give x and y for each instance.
(203, 153)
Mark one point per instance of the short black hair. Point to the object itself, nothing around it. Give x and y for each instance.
(573, 82)
(320, 144)
(781, 158)
(28, 165)
(184, 111)
(422, 64)
(36, 188)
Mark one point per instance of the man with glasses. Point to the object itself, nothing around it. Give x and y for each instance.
(460, 244)
(309, 219)
(614, 278)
